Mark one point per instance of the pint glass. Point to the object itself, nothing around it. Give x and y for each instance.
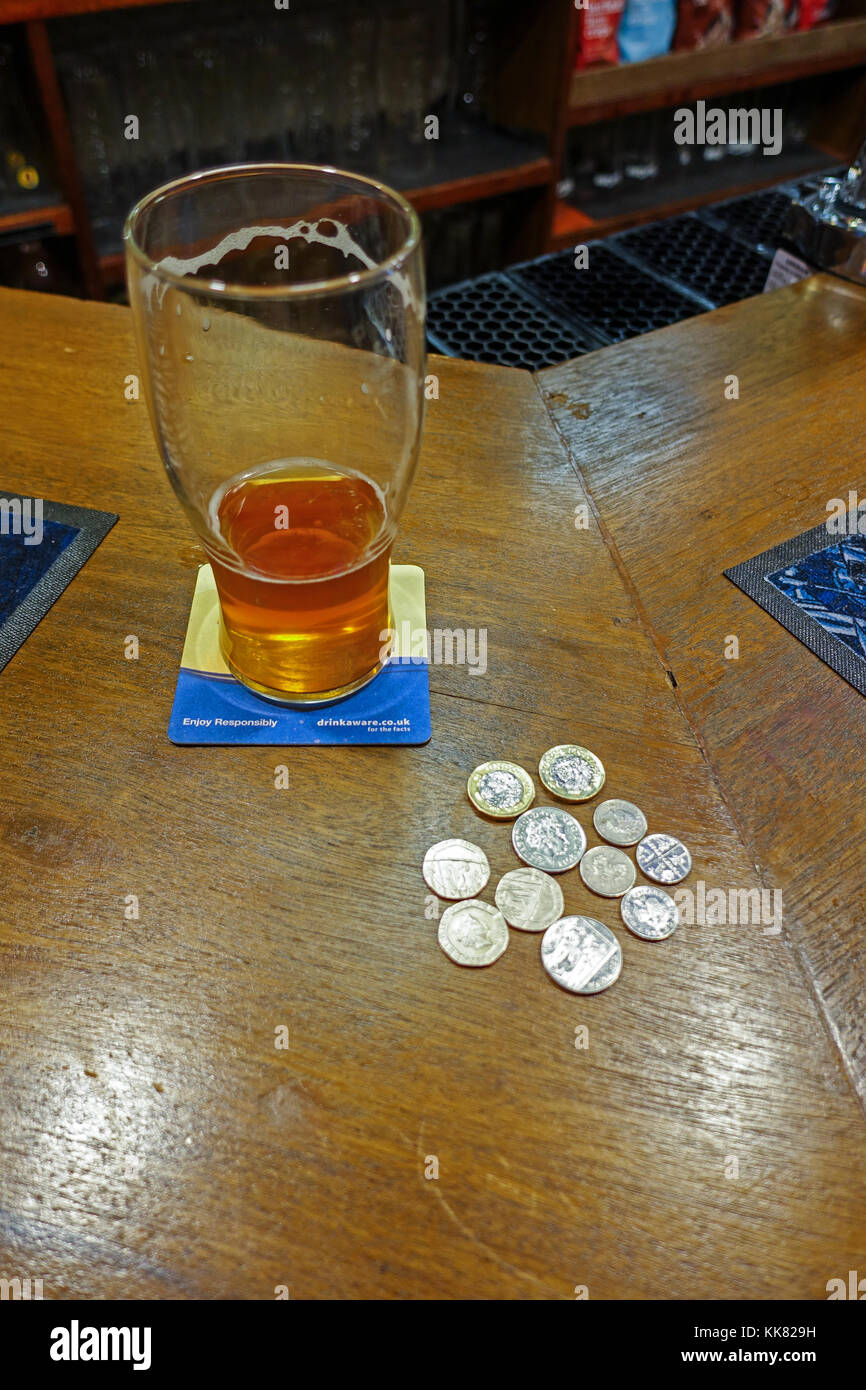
(279, 313)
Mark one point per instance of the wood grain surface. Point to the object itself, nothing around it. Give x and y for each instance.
(155, 1143)
(688, 483)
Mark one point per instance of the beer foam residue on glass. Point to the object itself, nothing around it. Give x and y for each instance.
(240, 240)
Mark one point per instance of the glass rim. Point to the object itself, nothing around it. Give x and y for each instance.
(352, 280)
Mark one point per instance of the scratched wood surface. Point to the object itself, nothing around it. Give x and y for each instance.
(156, 1144)
(688, 483)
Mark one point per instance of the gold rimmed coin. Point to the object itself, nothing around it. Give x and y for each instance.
(571, 772)
(501, 789)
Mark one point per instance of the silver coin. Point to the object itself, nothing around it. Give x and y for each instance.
(455, 869)
(650, 913)
(473, 933)
(502, 790)
(619, 822)
(529, 899)
(606, 976)
(607, 871)
(581, 954)
(571, 772)
(549, 839)
(663, 858)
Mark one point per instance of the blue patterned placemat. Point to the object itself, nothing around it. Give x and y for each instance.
(815, 586)
(43, 545)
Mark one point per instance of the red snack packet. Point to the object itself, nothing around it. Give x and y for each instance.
(814, 12)
(759, 17)
(598, 26)
(704, 23)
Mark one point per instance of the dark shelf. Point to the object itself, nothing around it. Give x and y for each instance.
(704, 180)
(39, 212)
(468, 152)
(470, 162)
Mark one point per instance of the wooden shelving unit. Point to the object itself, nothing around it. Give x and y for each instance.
(19, 11)
(570, 225)
(535, 173)
(57, 216)
(679, 78)
(535, 90)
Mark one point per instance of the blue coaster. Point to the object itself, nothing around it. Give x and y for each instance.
(211, 706)
(815, 586)
(43, 545)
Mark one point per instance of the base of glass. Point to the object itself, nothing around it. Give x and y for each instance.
(297, 700)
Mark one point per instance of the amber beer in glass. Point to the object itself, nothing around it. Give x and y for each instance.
(279, 312)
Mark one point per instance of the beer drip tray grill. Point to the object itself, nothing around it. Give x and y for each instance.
(610, 298)
(492, 320)
(758, 219)
(698, 258)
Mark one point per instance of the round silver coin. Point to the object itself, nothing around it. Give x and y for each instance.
(606, 975)
(607, 871)
(548, 838)
(502, 790)
(619, 822)
(473, 933)
(455, 869)
(663, 858)
(571, 772)
(581, 954)
(529, 899)
(650, 913)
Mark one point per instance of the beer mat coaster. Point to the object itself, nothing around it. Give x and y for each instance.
(212, 706)
(815, 586)
(43, 545)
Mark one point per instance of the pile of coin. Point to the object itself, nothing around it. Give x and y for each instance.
(580, 953)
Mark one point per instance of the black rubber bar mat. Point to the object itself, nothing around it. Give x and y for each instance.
(491, 320)
(43, 545)
(815, 586)
(612, 297)
(698, 258)
(758, 219)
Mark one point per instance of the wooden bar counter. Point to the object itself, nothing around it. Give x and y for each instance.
(695, 1132)
(704, 482)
